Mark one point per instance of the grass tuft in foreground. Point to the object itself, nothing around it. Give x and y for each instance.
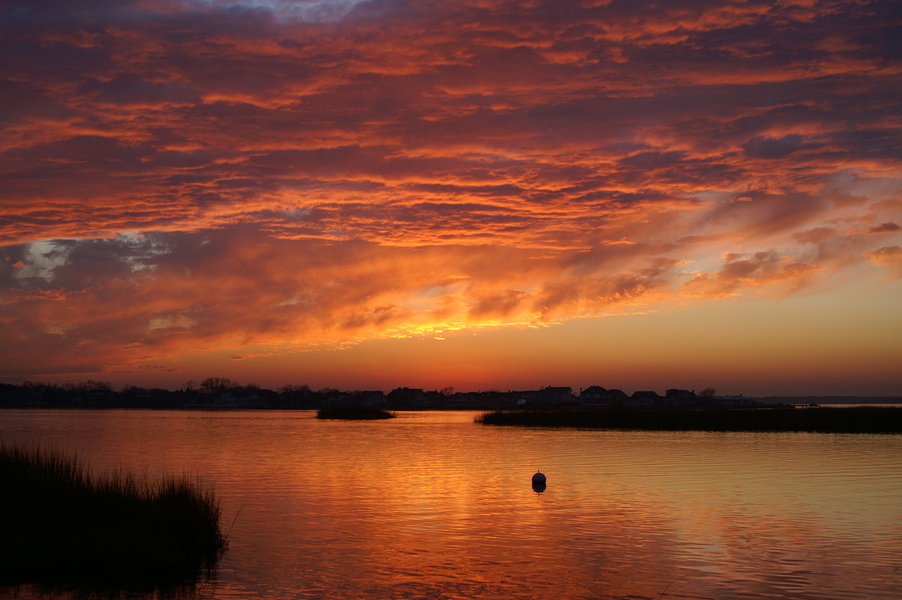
(354, 413)
(61, 525)
(864, 419)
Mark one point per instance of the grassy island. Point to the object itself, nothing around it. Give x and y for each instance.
(864, 419)
(354, 413)
(63, 526)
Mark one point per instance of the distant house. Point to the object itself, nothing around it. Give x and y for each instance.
(676, 397)
(555, 395)
(406, 397)
(618, 397)
(462, 400)
(644, 398)
(433, 399)
(523, 398)
(596, 395)
(369, 398)
(331, 397)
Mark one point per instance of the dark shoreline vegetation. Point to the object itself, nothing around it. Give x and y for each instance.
(62, 527)
(860, 419)
(218, 393)
(354, 413)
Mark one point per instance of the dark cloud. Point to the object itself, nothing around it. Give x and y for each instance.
(884, 228)
(130, 89)
(653, 160)
(765, 147)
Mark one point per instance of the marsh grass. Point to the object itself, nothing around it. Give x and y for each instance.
(354, 413)
(864, 419)
(62, 525)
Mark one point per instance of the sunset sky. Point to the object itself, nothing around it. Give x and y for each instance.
(482, 194)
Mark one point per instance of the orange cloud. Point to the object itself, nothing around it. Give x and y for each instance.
(179, 177)
(889, 257)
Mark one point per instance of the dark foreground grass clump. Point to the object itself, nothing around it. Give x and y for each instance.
(864, 419)
(62, 526)
(354, 413)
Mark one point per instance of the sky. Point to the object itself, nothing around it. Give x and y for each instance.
(481, 194)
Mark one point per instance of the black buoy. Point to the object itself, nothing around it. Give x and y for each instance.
(539, 481)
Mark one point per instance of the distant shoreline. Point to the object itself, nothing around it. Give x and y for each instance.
(218, 394)
(787, 402)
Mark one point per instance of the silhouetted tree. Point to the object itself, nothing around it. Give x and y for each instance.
(707, 394)
(89, 385)
(289, 389)
(217, 385)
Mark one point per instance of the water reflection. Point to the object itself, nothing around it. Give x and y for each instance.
(432, 506)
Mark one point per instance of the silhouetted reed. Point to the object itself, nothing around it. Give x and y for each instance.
(62, 526)
(861, 419)
(354, 413)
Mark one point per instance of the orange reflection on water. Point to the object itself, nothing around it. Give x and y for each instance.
(430, 505)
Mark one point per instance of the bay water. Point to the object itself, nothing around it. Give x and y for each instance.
(432, 505)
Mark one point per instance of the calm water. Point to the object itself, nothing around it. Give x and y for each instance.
(430, 505)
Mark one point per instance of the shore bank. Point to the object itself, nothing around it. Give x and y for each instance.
(864, 419)
(354, 413)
